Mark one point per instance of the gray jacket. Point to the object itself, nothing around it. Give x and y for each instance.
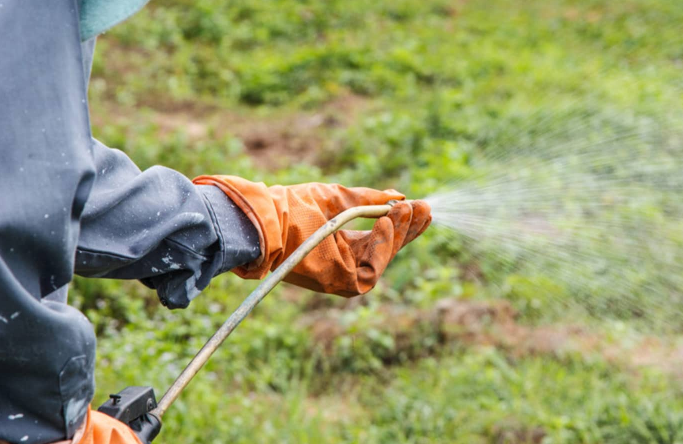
(70, 204)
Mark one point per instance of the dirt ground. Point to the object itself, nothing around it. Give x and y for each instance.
(273, 140)
(496, 324)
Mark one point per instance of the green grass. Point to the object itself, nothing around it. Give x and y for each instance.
(440, 83)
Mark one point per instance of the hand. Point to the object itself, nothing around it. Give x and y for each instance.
(348, 263)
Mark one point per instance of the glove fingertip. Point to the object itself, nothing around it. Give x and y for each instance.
(422, 219)
(392, 194)
(423, 228)
(421, 207)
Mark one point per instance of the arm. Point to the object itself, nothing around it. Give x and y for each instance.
(48, 168)
(158, 227)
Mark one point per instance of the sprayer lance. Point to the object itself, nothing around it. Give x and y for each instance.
(154, 411)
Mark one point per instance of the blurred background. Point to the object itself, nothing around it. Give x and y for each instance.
(452, 346)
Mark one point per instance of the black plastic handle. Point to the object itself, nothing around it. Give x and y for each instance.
(132, 406)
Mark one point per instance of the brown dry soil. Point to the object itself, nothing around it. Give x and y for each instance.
(493, 324)
(274, 140)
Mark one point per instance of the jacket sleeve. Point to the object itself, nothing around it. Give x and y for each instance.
(47, 348)
(156, 226)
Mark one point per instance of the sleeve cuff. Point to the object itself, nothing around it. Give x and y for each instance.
(238, 238)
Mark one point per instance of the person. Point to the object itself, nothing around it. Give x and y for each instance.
(69, 204)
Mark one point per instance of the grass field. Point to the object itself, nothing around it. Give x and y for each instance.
(400, 94)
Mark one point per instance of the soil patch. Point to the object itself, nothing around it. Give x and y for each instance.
(273, 140)
(489, 324)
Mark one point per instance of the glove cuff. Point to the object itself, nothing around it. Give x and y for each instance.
(255, 200)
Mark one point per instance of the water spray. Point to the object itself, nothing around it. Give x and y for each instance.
(578, 224)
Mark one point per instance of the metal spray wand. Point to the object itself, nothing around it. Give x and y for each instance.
(136, 406)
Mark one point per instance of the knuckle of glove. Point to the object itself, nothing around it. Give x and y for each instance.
(401, 214)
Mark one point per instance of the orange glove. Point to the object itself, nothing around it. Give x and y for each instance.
(348, 263)
(103, 429)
